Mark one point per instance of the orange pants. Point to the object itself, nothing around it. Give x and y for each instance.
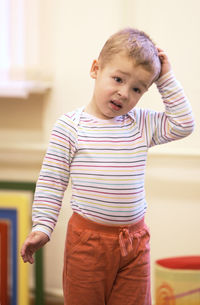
(106, 265)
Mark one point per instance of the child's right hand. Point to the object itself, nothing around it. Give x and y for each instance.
(165, 64)
(34, 241)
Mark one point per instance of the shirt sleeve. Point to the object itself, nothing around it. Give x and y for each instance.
(176, 121)
(54, 176)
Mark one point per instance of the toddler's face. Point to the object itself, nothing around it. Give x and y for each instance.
(118, 86)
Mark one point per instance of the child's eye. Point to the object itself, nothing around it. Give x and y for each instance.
(118, 79)
(137, 90)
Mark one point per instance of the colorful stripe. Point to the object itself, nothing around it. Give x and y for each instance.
(4, 255)
(11, 216)
(14, 207)
(106, 160)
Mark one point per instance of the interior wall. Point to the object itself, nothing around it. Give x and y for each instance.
(75, 31)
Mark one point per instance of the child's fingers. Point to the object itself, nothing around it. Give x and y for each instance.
(159, 49)
(162, 55)
(34, 241)
(164, 60)
(161, 52)
(28, 249)
(30, 258)
(27, 254)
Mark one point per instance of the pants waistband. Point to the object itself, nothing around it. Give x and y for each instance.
(123, 232)
(91, 225)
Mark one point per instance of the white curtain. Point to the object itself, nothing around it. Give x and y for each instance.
(4, 39)
(19, 39)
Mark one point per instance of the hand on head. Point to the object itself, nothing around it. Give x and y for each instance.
(165, 64)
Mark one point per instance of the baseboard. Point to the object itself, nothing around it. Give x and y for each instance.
(54, 292)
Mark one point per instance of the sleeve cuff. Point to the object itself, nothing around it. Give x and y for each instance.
(42, 229)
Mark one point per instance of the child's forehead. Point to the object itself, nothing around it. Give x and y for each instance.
(121, 59)
(123, 65)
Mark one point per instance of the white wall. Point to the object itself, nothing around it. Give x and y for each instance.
(76, 31)
(71, 35)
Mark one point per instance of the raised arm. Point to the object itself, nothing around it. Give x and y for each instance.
(177, 120)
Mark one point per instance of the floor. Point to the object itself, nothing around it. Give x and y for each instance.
(49, 300)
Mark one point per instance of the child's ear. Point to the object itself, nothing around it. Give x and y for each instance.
(94, 69)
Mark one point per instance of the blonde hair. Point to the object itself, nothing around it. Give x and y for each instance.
(137, 45)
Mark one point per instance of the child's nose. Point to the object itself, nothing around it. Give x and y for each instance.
(123, 92)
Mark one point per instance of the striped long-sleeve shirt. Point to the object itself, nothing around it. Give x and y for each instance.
(106, 160)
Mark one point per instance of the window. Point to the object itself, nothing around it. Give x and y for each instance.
(4, 39)
(19, 48)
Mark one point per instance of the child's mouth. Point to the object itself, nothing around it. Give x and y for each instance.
(116, 105)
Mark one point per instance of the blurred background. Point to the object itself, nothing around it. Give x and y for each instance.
(46, 50)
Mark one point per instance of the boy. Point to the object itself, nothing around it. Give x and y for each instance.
(103, 148)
